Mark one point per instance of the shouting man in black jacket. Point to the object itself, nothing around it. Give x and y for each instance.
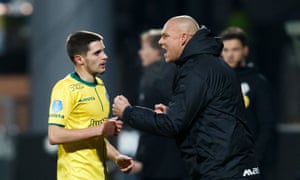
(156, 87)
(205, 114)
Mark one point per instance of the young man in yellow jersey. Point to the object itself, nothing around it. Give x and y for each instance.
(79, 114)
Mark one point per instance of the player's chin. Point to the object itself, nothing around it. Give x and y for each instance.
(101, 70)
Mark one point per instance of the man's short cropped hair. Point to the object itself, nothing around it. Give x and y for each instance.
(78, 42)
(235, 33)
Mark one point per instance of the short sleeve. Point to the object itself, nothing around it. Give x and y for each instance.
(60, 105)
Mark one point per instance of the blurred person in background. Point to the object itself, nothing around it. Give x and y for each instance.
(257, 94)
(205, 114)
(78, 114)
(158, 156)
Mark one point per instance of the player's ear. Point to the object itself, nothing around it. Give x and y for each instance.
(78, 59)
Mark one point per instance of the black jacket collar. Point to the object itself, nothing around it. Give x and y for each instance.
(203, 42)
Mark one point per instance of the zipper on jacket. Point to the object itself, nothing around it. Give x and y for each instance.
(99, 99)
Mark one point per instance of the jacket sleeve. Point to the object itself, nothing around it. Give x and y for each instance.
(187, 100)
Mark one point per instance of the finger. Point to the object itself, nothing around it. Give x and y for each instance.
(157, 105)
(158, 111)
(117, 98)
(115, 118)
(118, 119)
(119, 128)
(118, 131)
(129, 167)
(122, 98)
(119, 123)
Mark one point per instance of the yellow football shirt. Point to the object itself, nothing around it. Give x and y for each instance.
(77, 104)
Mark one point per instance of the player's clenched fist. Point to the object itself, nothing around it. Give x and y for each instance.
(111, 127)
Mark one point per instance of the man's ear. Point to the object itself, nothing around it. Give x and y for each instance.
(184, 39)
(78, 59)
(246, 50)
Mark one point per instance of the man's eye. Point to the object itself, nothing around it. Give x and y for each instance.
(98, 52)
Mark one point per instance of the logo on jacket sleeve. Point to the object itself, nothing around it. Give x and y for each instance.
(57, 106)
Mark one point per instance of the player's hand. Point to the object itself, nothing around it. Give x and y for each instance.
(120, 103)
(119, 126)
(160, 108)
(125, 163)
(111, 127)
(137, 168)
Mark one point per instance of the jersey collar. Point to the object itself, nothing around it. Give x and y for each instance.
(76, 77)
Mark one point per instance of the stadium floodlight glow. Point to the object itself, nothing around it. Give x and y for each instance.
(293, 30)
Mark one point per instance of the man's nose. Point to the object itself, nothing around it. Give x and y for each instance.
(160, 41)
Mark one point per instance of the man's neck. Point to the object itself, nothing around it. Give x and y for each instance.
(85, 76)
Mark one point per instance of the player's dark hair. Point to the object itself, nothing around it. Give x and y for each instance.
(78, 42)
(235, 33)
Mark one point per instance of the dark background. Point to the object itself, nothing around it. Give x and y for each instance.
(271, 50)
